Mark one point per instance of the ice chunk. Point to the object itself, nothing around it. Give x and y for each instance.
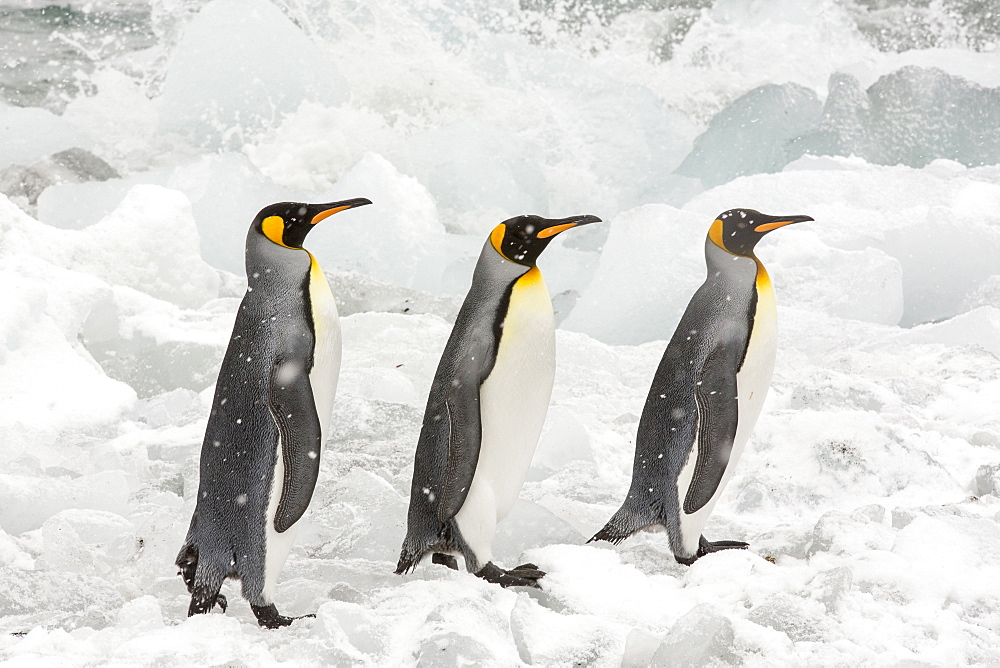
(357, 293)
(752, 134)
(453, 649)
(58, 598)
(799, 619)
(701, 637)
(979, 327)
(546, 637)
(148, 243)
(636, 295)
(919, 114)
(413, 249)
(89, 542)
(238, 67)
(844, 127)
(26, 502)
(155, 346)
(530, 525)
(842, 533)
(471, 165)
(861, 285)
(29, 134)
(565, 439)
(73, 165)
(830, 586)
(639, 649)
(987, 480)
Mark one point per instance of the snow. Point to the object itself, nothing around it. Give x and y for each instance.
(869, 491)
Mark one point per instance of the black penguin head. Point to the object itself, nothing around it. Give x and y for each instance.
(288, 223)
(737, 231)
(522, 239)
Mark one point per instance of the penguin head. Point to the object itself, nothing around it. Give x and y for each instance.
(737, 231)
(522, 239)
(287, 223)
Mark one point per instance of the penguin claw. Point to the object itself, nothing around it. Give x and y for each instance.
(269, 618)
(526, 575)
(707, 547)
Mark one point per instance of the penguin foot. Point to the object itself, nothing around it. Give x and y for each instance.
(445, 560)
(707, 547)
(269, 618)
(525, 575)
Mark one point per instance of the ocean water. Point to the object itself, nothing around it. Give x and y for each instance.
(138, 140)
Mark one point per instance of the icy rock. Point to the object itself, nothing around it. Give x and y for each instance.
(986, 294)
(903, 517)
(987, 480)
(27, 501)
(237, 68)
(530, 525)
(141, 614)
(844, 125)
(358, 293)
(799, 619)
(471, 165)
(363, 517)
(148, 243)
(156, 347)
(453, 649)
(64, 598)
(634, 252)
(545, 637)
(830, 586)
(919, 114)
(73, 165)
(753, 134)
(89, 542)
(29, 134)
(403, 215)
(979, 327)
(840, 533)
(701, 637)
(864, 285)
(565, 439)
(639, 649)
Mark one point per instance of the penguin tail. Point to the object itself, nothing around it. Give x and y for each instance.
(202, 584)
(623, 524)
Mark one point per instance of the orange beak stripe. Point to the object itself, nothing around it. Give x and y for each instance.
(554, 230)
(767, 227)
(326, 214)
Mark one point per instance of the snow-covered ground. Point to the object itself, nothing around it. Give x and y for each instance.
(869, 492)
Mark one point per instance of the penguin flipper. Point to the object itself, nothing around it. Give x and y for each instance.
(294, 410)
(465, 432)
(718, 417)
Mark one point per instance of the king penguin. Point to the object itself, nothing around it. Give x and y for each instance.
(486, 406)
(270, 415)
(707, 392)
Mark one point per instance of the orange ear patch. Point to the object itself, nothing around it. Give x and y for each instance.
(496, 238)
(715, 234)
(274, 229)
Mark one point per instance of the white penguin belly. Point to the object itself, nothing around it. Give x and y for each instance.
(752, 383)
(513, 402)
(323, 379)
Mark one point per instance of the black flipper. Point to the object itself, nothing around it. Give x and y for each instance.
(465, 434)
(718, 417)
(525, 575)
(268, 616)
(294, 409)
(706, 547)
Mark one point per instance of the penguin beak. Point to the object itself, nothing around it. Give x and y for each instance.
(774, 222)
(327, 210)
(554, 227)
